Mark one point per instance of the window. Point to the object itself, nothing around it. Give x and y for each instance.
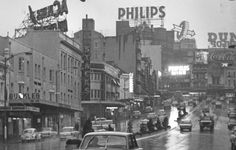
(21, 64)
(35, 70)
(27, 68)
(39, 71)
(50, 75)
(21, 88)
(51, 96)
(91, 93)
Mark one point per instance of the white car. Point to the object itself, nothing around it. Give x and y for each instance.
(30, 134)
(69, 133)
(48, 132)
(110, 141)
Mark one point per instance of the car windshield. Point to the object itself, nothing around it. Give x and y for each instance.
(28, 131)
(109, 141)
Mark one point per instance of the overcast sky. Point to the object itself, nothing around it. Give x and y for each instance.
(203, 15)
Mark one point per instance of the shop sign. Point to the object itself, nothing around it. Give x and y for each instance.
(221, 39)
(134, 13)
(222, 56)
(25, 96)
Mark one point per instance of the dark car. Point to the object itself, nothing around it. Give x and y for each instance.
(185, 124)
(206, 122)
(231, 123)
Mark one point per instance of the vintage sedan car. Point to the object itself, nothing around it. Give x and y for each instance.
(231, 123)
(109, 140)
(185, 124)
(152, 115)
(136, 114)
(48, 132)
(30, 134)
(231, 110)
(232, 115)
(69, 133)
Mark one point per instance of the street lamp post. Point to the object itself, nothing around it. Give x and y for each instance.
(5, 93)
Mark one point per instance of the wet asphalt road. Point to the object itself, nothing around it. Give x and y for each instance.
(195, 140)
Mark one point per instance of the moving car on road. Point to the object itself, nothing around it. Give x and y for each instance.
(206, 122)
(30, 134)
(185, 124)
(109, 141)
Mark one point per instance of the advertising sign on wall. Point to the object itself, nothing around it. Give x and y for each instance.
(223, 56)
(50, 17)
(221, 39)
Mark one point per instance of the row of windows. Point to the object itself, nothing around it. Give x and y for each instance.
(231, 74)
(69, 62)
(95, 76)
(95, 93)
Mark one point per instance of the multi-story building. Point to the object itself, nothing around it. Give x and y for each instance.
(104, 90)
(104, 78)
(49, 81)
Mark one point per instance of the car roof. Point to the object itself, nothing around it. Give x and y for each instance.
(116, 133)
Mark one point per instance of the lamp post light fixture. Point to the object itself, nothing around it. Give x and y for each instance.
(5, 133)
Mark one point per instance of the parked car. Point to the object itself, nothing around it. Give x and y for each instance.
(185, 124)
(152, 115)
(231, 110)
(48, 132)
(233, 138)
(218, 105)
(109, 140)
(231, 123)
(30, 134)
(148, 109)
(232, 115)
(136, 114)
(69, 133)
